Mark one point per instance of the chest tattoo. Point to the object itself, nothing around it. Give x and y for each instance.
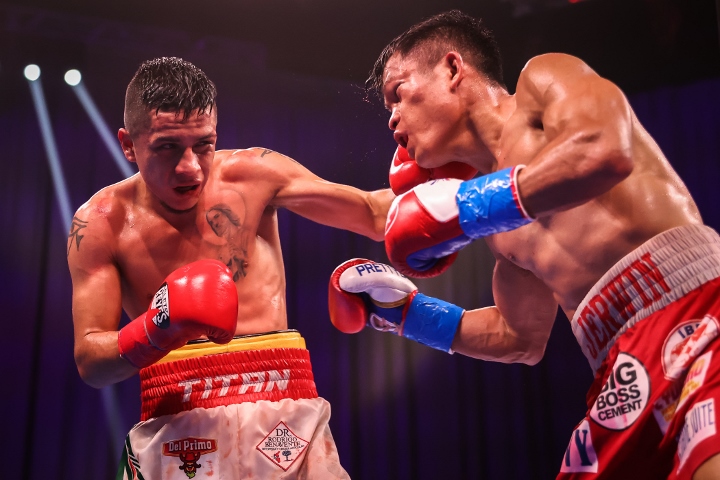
(226, 224)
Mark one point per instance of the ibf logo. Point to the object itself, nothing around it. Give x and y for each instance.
(580, 455)
(685, 342)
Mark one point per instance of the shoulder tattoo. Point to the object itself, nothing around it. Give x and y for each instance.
(267, 151)
(75, 228)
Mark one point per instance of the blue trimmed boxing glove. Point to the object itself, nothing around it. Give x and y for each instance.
(363, 292)
(428, 225)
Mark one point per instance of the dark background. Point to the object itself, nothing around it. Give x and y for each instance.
(289, 75)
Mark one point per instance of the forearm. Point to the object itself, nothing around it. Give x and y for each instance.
(98, 359)
(484, 334)
(571, 171)
(379, 203)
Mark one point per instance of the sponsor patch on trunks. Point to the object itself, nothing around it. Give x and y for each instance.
(685, 342)
(188, 451)
(699, 425)
(580, 455)
(695, 377)
(282, 447)
(665, 406)
(624, 395)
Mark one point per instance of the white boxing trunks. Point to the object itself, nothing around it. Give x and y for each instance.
(248, 409)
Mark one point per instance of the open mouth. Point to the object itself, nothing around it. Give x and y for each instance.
(187, 189)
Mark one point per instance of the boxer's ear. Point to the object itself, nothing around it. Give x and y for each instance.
(127, 145)
(455, 68)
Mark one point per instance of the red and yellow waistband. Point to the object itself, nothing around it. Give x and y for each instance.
(250, 368)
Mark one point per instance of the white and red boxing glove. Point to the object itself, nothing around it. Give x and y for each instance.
(405, 173)
(196, 300)
(362, 292)
(429, 224)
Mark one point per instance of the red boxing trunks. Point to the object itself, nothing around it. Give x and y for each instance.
(649, 329)
(248, 409)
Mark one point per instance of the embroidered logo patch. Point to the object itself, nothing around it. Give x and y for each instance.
(624, 396)
(580, 455)
(665, 406)
(189, 450)
(695, 376)
(282, 447)
(685, 342)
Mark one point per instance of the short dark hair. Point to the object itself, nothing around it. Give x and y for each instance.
(452, 30)
(169, 84)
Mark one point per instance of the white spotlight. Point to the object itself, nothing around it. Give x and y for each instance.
(72, 77)
(32, 72)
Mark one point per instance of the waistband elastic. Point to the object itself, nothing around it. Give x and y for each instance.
(248, 369)
(658, 272)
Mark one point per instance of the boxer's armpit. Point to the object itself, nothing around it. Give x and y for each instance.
(74, 236)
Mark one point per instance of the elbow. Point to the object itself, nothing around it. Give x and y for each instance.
(88, 378)
(530, 352)
(88, 374)
(618, 163)
(610, 158)
(532, 358)
(604, 167)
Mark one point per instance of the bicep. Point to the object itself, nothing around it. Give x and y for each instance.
(97, 305)
(573, 100)
(333, 204)
(96, 299)
(584, 131)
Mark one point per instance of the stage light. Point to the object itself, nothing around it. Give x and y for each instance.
(102, 128)
(72, 77)
(32, 72)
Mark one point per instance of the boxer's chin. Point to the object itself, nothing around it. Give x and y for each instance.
(178, 211)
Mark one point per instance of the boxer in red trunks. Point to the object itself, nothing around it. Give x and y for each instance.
(582, 211)
(189, 248)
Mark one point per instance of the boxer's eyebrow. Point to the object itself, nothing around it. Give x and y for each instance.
(178, 138)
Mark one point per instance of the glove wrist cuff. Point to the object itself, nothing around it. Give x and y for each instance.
(432, 322)
(135, 346)
(491, 204)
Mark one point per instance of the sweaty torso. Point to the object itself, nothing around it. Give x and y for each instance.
(233, 222)
(570, 250)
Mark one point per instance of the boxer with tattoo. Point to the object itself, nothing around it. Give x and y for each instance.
(189, 248)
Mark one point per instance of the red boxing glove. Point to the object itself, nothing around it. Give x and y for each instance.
(347, 310)
(384, 286)
(405, 173)
(422, 233)
(195, 300)
(362, 291)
